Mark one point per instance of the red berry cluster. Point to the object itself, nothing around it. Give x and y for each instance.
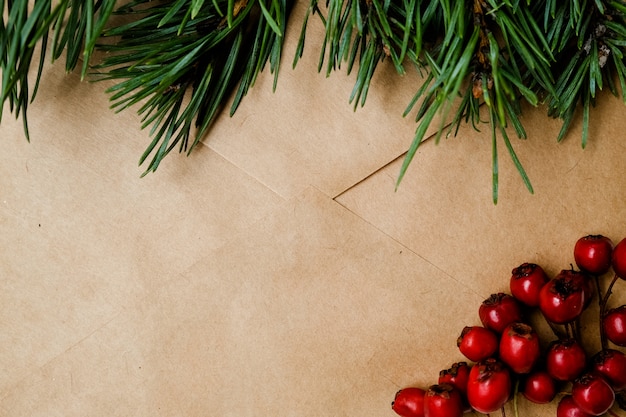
(506, 356)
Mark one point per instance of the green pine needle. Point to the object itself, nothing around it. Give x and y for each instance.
(163, 54)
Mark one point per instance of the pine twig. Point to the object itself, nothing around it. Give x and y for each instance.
(25, 34)
(182, 62)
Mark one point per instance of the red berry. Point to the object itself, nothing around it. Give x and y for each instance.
(409, 402)
(611, 364)
(593, 254)
(568, 408)
(565, 359)
(614, 323)
(618, 260)
(593, 394)
(443, 400)
(498, 311)
(477, 343)
(564, 298)
(519, 347)
(489, 386)
(539, 387)
(526, 282)
(457, 375)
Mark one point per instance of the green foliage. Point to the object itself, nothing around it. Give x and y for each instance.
(24, 36)
(366, 33)
(588, 38)
(484, 55)
(180, 61)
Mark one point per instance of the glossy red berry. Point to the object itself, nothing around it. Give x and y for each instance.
(611, 364)
(618, 260)
(593, 394)
(498, 311)
(539, 387)
(564, 298)
(477, 343)
(489, 386)
(457, 375)
(593, 253)
(409, 402)
(526, 282)
(565, 360)
(614, 323)
(568, 408)
(443, 400)
(519, 347)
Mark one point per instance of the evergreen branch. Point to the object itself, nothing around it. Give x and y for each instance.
(181, 60)
(76, 24)
(311, 9)
(445, 88)
(599, 32)
(18, 41)
(183, 69)
(499, 74)
(362, 33)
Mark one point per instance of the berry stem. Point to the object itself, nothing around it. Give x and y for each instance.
(572, 330)
(515, 395)
(603, 300)
(568, 330)
(576, 330)
(601, 311)
(555, 329)
(620, 400)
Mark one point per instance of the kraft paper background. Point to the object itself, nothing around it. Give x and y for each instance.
(275, 271)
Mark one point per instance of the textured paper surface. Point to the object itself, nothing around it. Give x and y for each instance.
(275, 271)
(307, 132)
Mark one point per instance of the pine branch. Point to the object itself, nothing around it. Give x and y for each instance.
(362, 33)
(77, 24)
(18, 40)
(24, 37)
(497, 54)
(591, 48)
(182, 61)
